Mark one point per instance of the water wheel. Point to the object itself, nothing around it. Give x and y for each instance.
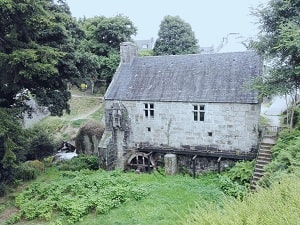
(141, 162)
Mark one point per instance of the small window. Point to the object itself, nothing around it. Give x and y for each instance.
(149, 129)
(149, 109)
(199, 112)
(201, 116)
(210, 134)
(195, 116)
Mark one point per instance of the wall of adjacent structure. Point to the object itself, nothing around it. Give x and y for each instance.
(226, 126)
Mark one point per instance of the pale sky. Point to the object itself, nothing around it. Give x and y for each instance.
(211, 20)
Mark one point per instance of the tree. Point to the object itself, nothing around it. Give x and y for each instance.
(37, 53)
(13, 145)
(175, 37)
(279, 43)
(103, 38)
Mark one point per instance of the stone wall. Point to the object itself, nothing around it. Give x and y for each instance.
(226, 126)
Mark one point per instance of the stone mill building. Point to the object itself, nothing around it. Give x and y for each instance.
(198, 107)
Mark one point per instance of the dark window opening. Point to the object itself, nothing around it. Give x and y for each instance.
(198, 112)
(149, 109)
(201, 116)
(210, 134)
(149, 129)
(195, 116)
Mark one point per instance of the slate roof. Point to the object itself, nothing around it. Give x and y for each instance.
(220, 77)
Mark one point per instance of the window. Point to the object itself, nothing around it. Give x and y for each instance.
(149, 129)
(149, 109)
(199, 112)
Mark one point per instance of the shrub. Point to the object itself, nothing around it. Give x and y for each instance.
(37, 165)
(25, 172)
(80, 162)
(76, 194)
(91, 130)
(232, 188)
(41, 145)
(241, 172)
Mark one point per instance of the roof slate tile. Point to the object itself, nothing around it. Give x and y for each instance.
(220, 77)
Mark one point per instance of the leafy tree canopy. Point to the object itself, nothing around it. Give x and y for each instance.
(175, 37)
(103, 38)
(279, 43)
(37, 45)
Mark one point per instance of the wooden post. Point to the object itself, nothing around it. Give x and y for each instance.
(194, 166)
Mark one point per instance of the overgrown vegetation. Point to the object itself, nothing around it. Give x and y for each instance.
(88, 197)
(278, 205)
(75, 194)
(90, 132)
(80, 162)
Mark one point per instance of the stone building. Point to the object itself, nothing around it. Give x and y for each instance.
(181, 104)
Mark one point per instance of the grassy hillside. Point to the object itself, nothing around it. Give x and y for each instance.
(83, 108)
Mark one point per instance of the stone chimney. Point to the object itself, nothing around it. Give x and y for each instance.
(128, 51)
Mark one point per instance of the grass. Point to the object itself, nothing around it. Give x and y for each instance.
(278, 205)
(169, 199)
(83, 109)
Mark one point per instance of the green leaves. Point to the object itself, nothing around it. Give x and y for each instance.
(76, 194)
(279, 43)
(175, 37)
(37, 40)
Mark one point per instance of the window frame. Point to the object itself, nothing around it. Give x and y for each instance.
(199, 112)
(149, 110)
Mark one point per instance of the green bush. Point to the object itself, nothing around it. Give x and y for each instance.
(37, 165)
(41, 144)
(76, 194)
(232, 188)
(80, 162)
(90, 129)
(286, 152)
(241, 172)
(25, 172)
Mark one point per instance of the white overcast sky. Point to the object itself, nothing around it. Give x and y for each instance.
(211, 20)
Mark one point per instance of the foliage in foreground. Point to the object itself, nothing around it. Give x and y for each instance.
(80, 162)
(75, 194)
(278, 205)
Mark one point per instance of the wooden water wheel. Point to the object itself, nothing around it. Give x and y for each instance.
(141, 162)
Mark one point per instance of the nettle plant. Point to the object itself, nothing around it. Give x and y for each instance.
(76, 194)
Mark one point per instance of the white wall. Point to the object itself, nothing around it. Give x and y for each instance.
(233, 126)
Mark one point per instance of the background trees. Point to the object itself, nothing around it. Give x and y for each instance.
(175, 37)
(37, 45)
(279, 43)
(102, 41)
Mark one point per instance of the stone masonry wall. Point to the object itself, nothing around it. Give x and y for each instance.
(226, 126)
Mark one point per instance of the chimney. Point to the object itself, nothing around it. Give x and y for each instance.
(128, 51)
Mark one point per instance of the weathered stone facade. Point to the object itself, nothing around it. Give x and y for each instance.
(226, 126)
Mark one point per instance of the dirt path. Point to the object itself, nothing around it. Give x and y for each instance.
(88, 113)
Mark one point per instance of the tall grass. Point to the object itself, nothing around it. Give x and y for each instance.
(169, 200)
(278, 205)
